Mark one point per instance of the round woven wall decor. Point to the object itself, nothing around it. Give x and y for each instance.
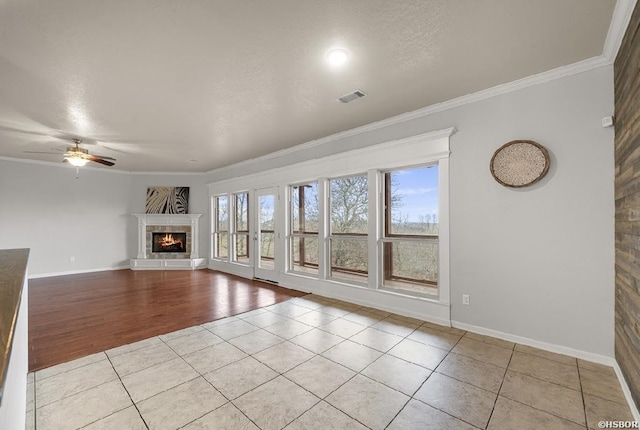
(519, 163)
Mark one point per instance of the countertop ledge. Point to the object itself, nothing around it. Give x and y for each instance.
(13, 272)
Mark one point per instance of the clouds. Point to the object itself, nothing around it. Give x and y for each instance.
(415, 191)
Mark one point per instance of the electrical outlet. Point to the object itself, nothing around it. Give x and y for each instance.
(465, 299)
(72, 259)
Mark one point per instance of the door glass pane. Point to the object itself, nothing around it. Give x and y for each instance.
(266, 234)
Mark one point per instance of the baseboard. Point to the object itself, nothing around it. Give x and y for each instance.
(583, 355)
(76, 272)
(558, 349)
(627, 392)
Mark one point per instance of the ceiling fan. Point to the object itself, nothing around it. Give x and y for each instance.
(79, 157)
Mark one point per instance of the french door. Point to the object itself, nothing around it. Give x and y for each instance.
(265, 237)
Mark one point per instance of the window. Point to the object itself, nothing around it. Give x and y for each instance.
(240, 236)
(303, 241)
(221, 227)
(349, 228)
(410, 243)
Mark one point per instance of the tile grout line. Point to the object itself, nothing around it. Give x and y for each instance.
(128, 394)
(434, 371)
(559, 385)
(500, 388)
(200, 375)
(584, 402)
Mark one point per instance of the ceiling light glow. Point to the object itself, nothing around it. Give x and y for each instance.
(337, 57)
(77, 162)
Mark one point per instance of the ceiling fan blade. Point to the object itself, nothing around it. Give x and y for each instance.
(40, 152)
(18, 130)
(100, 160)
(103, 157)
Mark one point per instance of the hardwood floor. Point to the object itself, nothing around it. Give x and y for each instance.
(77, 315)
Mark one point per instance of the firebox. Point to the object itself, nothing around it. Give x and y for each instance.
(169, 242)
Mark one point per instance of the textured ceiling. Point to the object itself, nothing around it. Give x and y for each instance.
(157, 83)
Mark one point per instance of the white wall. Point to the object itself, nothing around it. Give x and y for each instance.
(45, 208)
(537, 263)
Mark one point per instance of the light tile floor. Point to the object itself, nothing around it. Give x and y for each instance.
(317, 363)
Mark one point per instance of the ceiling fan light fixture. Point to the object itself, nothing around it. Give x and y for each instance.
(77, 162)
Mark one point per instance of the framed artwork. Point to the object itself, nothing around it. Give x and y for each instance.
(167, 200)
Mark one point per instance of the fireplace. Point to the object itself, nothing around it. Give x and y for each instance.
(169, 241)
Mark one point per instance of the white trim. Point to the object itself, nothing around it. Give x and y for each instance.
(64, 165)
(627, 392)
(618, 27)
(427, 148)
(166, 219)
(559, 349)
(97, 169)
(529, 81)
(350, 159)
(76, 272)
(421, 308)
(551, 347)
(232, 268)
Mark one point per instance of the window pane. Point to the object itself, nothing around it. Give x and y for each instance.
(349, 259)
(222, 206)
(412, 195)
(411, 265)
(305, 254)
(242, 212)
(304, 208)
(242, 249)
(349, 205)
(222, 245)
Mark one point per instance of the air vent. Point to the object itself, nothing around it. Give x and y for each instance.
(351, 96)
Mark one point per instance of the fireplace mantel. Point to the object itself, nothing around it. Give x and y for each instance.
(143, 260)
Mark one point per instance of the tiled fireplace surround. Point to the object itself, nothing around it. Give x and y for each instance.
(150, 223)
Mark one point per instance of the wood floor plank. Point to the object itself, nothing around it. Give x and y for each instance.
(77, 315)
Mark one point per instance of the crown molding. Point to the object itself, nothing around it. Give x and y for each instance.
(98, 169)
(618, 27)
(62, 165)
(529, 81)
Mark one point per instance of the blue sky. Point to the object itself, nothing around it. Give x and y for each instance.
(419, 190)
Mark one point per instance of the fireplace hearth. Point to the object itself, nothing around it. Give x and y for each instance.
(169, 242)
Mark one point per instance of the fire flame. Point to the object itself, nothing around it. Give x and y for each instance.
(168, 240)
